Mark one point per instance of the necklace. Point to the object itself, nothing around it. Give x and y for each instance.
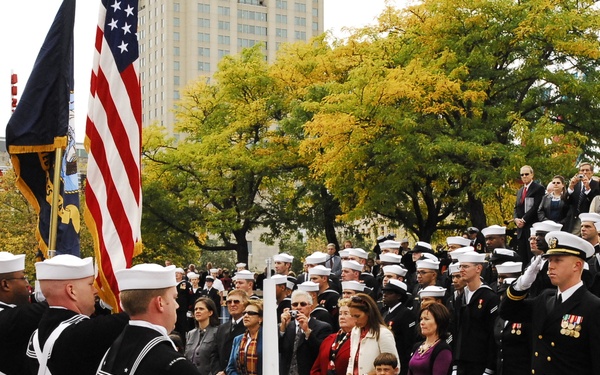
(425, 347)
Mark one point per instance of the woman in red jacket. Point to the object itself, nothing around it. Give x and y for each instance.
(335, 349)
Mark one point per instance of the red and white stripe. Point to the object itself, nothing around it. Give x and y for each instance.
(113, 191)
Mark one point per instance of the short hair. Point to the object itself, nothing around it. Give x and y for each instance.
(528, 166)
(343, 302)
(441, 315)
(136, 301)
(384, 359)
(210, 306)
(585, 162)
(302, 293)
(241, 293)
(258, 304)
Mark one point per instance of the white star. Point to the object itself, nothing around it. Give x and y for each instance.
(123, 47)
(116, 6)
(129, 10)
(113, 23)
(126, 28)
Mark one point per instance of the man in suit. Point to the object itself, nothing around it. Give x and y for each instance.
(18, 317)
(149, 296)
(333, 260)
(565, 323)
(580, 192)
(300, 338)
(400, 320)
(67, 282)
(529, 197)
(237, 300)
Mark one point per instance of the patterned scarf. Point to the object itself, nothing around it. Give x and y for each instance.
(248, 359)
(340, 339)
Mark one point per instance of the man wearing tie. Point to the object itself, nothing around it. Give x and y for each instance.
(529, 197)
(237, 300)
(582, 189)
(565, 322)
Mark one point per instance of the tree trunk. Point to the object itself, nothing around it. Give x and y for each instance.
(476, 212)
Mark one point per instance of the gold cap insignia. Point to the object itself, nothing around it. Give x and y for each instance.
(553, 243)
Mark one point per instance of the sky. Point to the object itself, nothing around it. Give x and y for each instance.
(25, 23)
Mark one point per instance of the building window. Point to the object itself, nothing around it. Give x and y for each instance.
(204, 37)
(175, 37)
(224, 25)
(176, 7)
(223, 52)
(176, 66)
(300, 7)
(176, 94)
(223, 39)
(203, 8)
(281, 4)
(176, 80)
(315, 26)
(176, 51)
(203, 22)
(204, 52)
(281, 18)
(176, 21)
(281, 33)
(300, 35)
(203, 66)
(252, 15)
(299, 21)
(223, 11)
(251, 29)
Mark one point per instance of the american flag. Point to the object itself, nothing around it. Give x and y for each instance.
(113, 192)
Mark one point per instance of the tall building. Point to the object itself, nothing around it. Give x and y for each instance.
(182, 41)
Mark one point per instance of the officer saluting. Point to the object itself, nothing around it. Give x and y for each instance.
(566, 322)
(149, 296)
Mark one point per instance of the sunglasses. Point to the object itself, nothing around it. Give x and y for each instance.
(556, 182)
(524, 174)
(303, 304)
(233, 301)
(251, 313)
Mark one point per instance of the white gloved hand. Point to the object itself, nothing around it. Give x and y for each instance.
(189, 314)
(525, 281)
(454, 370)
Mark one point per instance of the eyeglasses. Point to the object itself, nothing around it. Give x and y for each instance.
(556, 182)
(524, 174)
(251, 313)
(423, 272)
(233, 301)
(303, 304)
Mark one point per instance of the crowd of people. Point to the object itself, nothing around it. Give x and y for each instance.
(478, 307)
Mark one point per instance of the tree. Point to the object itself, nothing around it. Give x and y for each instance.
(448, 102)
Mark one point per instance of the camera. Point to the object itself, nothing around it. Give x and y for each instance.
(580, 177)
(293, 314)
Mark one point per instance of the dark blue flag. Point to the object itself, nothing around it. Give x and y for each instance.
(43, 122)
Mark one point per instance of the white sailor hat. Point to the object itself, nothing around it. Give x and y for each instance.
(494, 230)
(11, 263)
(454, 268)
(344, 253)
(64, 267)
(422, 247)
(458, 240)
(396, 286)
(533, 231)
(509, 267)
(283, 257)
(244, 275)
(214, 270)
(395, 269)
(404, 240)
(290, 283)
(429, 256)
(352, 264)
(390, 258)
(309, 286)
(316, 258)
(563, 243)
(428, 264)
(389, 244)
(209, 278)
(192, 275)
(279, 279)
(319, 270)
(240, 265)
(454, 254)
(547, 226)
(432, 291)
(353, 285)
(471, 257)
(179, 270)
(591, 216)
(358, 252)
(500, 255)
(146, 276)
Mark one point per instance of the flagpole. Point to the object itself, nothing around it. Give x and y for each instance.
(54, 209)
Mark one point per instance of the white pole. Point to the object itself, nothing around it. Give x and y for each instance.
(270, 351)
